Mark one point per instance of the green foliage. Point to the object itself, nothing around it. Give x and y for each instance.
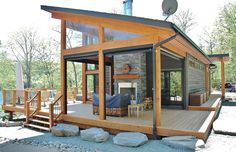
(225, 33)
(7, 71)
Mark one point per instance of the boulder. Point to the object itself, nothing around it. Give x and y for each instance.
(94, 134)
(130, 139)
(65, 130)
(187, 142)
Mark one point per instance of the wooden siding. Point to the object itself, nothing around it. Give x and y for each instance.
(196, 76)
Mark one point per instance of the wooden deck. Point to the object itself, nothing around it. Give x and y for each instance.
(173, 122)
(213, 104)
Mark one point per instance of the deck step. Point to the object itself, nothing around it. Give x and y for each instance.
(42, 116)
(40, 121)
(38, 127)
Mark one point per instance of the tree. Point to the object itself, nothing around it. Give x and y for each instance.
(22, 44)
(48, 61)
(184, 19)
(225, 33)
(208, 41)
(7, 71)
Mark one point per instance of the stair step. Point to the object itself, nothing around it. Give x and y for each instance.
(38, 127)
(41, 116)
(40, 121)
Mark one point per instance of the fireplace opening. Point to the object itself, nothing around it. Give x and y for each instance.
(128, 87)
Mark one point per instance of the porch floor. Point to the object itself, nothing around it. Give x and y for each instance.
(173, 119)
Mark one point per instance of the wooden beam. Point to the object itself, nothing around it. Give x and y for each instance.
(125, 26)
(145, 40)
(102, 104)
(223, 78)
(63, 68)
(84, 82)
(91, 72)
(126, 76)
(158, 86)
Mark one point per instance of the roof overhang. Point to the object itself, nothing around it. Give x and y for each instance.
(219, 57)
(134, 24)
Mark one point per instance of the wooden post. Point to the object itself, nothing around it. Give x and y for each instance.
(207, 80)
(158, 86)
(26, 95)
(63, 68)
(222, 78)
(51, 116)
(102, 104)
(4, 95)
(27, 112)
(84, 83)
(39, 99)
(14, 98)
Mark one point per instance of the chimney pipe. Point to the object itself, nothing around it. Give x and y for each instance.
(128, 7)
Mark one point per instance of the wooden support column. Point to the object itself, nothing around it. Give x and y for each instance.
(158, 86)
(63, 68)
(101, 66)
(13, 98)
(207, 82)
(84, 83)
(222, 78)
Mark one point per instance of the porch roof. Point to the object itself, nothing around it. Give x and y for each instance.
(130, 19)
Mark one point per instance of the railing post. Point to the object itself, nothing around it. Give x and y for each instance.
(14, 98)
(51, 115)
(26, 95)
(27, 112)
(4, 95)
(39, 101)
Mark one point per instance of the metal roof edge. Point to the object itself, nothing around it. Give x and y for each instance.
(145, 21)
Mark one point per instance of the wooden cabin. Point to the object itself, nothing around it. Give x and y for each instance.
(164, 72)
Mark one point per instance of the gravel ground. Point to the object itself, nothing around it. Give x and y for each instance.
(29, 137)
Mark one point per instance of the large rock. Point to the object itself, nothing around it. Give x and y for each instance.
(94, 134)
(65, 130)
(187, 142)
(130, 139)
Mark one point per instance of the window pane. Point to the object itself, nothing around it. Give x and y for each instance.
(111, 35)
(79, 34)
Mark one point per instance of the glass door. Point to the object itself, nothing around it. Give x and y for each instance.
(171, 88)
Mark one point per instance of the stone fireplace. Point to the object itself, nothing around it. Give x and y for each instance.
(135, 85)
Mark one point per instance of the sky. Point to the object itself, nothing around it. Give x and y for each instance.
(17, 14)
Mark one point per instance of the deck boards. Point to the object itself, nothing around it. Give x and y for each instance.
(174, 122)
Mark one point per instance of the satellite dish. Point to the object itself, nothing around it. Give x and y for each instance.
(169, 7)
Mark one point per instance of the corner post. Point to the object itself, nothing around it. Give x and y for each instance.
(222, 78)
(84, 83)
(158, 86)
(102, 102)
(63, 68)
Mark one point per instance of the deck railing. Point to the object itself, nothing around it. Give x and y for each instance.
(13, 97)
(34, 105)
(55, 110)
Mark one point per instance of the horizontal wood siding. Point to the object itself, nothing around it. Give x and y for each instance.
(196, 75)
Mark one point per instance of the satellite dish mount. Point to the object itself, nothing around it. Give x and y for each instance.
(169, 7)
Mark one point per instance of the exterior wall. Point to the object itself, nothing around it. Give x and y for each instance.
(195, 75)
